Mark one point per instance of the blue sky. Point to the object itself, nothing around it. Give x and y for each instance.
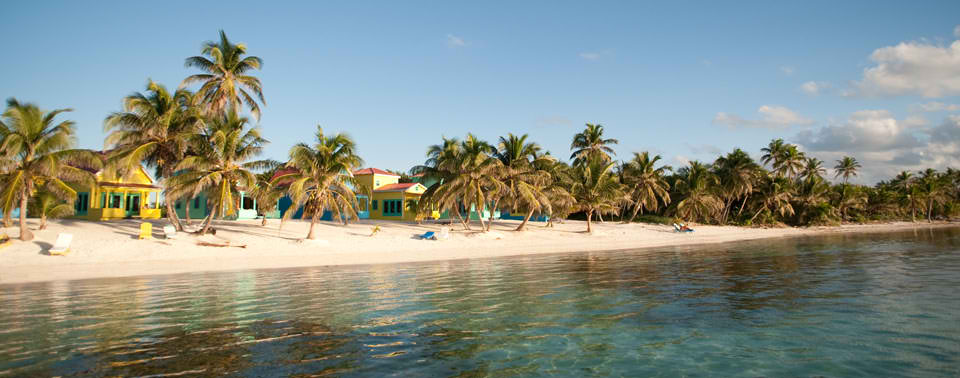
(878, 80)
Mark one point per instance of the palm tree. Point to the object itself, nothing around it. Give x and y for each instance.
(773, 153)
(813, 169)
(737, 173)
(906, 184)
(320, 177)
(562, 203)
(791, 163)
(442, 166)
(846, 167)
(225, 83)
(154, 128)
(265, 193)
(774, 195)
(934, 188)
(50, 205)
(695, 186)
(472, 179)
(812, 195)
(38, 149)
(646, 183)
(222, 167)
(523, 182)
(595, 187)
(590, 143)
(849, 197)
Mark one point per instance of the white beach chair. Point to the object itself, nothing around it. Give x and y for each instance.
(62, 246)
(444, 233)
(169, 232)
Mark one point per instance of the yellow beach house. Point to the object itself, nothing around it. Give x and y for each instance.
(390, 199)
(117, 198)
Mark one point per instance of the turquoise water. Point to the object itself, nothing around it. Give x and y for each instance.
(861, 305)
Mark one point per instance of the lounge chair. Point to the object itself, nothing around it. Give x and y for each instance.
(146, 230)
(430, 235)
(444, 233)
(62, 246)
(681, 228)
(169, 232)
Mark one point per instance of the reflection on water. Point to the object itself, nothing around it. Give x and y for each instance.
(861, 305)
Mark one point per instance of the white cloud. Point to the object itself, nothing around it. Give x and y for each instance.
(935, 107)
(913, 68)
(590, 55)
(454, 41)
(884, 144)
(814, 88)
(771, 117)
(787, 70)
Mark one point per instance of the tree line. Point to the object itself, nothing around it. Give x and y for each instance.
(198, 142)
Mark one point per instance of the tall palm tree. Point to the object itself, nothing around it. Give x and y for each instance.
(225, 83)
(222, 166)
(646, 183)
(906, 184)
(472, 179)
(846, 167)
(791, 163)
(590, 143)
(562, 202)
(154, 128)
(737, 173)
(934, 189)
(695, 185)
(320, 177)
(596, 188)
(265, 193)
(813, 168)
(39, 152)
(773, 153)
(524, 183)
(442, 166)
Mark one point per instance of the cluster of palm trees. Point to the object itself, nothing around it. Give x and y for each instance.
(516, 175)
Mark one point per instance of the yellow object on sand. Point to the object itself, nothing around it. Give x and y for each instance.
(146, 230)
(5, 241)
(62, 245)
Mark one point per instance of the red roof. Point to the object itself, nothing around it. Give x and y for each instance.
(370, 171)
(396, 187)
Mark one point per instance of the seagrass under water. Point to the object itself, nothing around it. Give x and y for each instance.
(861, 305)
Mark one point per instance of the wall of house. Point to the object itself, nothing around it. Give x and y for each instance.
(376, 180)
(105, 202)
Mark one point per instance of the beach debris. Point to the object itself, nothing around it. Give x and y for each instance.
(375, 230)
(223, 244)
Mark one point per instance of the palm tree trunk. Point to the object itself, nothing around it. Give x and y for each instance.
(466, 225)
(172, 217)
(186, 211)
(208, 221)
(525, 219)
(43, 220)
(7, 221)
(264, 222)
(313, 222)
(636, 210)
(930, 210)
(757, 214)
(589, 216)
(726, 211)
(492, 210)
(600, 217)
(480, 206)
(25, 234)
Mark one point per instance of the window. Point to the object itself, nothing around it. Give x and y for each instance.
(247, 203)
(103, 200)
(82, 204)
(373, 204)
(392, 208)
(116, 201)
(196, 203)
(362, 201)
(178, 205)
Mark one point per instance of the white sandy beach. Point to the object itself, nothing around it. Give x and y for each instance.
(111, 249)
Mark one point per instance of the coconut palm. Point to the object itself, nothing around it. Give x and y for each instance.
(265, 193)
(154, 128)
(849, 197)
(38, 149)
(442, 165)
(319, 178)
(906, 184)
(222, 166)
(524, 183)
(595, 187)
(773, 153)
(737, 173)
(646, 183)
(225, 83)
(791, 163)
(812, 197)
(50, 205)
(774, 195)
(813, 168)
(694, 186)
(562, 203)
(590, 143)
(472, 178)
(846, 167)
(934, 189)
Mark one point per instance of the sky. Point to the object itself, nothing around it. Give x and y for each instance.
(876, 80)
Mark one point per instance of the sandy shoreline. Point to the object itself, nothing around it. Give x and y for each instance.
(111, 249)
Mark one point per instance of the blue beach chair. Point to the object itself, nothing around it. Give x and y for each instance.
(679, 228)
(430, 235)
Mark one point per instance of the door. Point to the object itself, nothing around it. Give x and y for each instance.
(133, 205)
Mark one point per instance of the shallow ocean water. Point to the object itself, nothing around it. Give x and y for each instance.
(840, 305)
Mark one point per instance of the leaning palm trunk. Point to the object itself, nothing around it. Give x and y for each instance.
(492, 210)
(186, 212)
(25, 234)
(930, 211)
(208, 221)
(638, 209)
(7, 221)
(466, 225)
(172, 217)
(313, 223)
(589, 217)
(525, 219)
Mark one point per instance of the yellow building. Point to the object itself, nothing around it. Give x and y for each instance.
(390, 199)
(116, 198)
